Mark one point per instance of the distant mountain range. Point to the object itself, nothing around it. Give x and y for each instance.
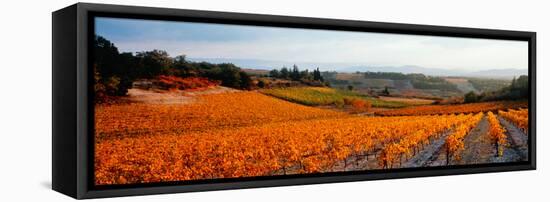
(491, 73)
(350, 67)
(498, 73)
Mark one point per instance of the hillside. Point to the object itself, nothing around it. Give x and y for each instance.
(349, 67)
(413, 85)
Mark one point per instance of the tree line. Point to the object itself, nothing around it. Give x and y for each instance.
(114, 72)
(296, 75)
(517, 90)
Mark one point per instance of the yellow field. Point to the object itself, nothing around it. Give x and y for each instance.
(520, 118)
(410, 101)
(244, 134)
(209, 112)
(453, 109)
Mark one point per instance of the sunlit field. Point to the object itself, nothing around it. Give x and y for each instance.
(245, 134)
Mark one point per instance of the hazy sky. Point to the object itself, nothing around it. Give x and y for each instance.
(201, 40)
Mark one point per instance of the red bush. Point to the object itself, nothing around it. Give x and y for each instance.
(358, 105)
(189, 83)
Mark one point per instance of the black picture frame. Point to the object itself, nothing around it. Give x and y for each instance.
(72, 98)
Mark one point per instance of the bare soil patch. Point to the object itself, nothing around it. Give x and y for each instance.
(156, 96)
(432, 154)
(517, 140)
(214, 90)
(477, 146)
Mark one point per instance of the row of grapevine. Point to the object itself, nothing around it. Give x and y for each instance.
(207, 112)
(519, 117)
(290, 147)
(496, 134)
(454, 143)
(409, 145)
(454, 109)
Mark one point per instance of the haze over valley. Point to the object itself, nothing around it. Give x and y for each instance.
(497, 73)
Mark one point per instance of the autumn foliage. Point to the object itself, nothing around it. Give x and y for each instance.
(496, 133)
(520, 118)
(454, 143)
(358, 105)
(454, 109)
(247, 134)
(408, 145)
(187, 83)
(237, 135)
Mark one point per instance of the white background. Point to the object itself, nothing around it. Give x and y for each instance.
(25, 100)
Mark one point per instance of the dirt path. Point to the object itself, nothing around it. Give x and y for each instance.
(156, 96)
(429, 156)
(358, 163)
(517, 141)
(476, 149)
(477, 146)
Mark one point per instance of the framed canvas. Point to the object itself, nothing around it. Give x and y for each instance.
(156, 100)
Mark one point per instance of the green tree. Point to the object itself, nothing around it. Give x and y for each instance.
(295, 75)
(228, 74)
(317, 75)
(305, 75)
(285, 73)
(275, 73)
(471, 97)
(105, 57)
(246, 81)
(115, 71)
(153, 63)
(386, 91)
(261, 83)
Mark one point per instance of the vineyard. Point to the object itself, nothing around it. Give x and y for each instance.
(315, 96)
(497, 134)
(455, 109)
(246, 134)
(454, 143)
(518, 117)
(210, 112)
